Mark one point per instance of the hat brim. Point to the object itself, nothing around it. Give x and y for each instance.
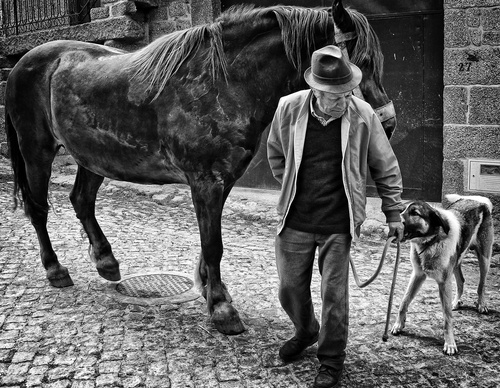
(335, 88)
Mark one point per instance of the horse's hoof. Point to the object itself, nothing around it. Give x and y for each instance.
(60, 278)
(112, 276)
(226, 319)
(109, 269)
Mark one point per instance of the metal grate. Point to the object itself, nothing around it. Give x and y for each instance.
(22, 16)
(154, 285)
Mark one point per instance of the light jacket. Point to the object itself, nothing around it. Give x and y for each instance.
(364, 146)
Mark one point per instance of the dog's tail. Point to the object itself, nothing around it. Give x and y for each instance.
(452, 198)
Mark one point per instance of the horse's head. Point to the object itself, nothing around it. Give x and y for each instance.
(354, 33)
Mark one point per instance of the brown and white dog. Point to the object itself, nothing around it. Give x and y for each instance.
(439, 240)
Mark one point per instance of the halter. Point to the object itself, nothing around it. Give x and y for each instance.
(384, 112)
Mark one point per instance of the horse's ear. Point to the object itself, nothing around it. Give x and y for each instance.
(341, 16)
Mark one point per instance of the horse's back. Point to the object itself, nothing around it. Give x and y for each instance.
(30, 78)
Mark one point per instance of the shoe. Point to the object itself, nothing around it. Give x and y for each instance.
(294, 347)
(327, 377)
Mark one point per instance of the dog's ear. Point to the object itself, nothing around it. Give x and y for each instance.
(438, 220)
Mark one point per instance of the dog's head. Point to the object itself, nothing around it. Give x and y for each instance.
(421, 220)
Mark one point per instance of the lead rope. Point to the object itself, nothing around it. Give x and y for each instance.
(377, 272)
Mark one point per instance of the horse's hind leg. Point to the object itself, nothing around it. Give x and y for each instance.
(38, 166)
(208, 199)
(83, 197)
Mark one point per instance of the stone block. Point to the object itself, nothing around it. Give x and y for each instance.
(455, 32)
(469, 3)
(490, 19)
(179, 9)
(484, 107)
(4, 73)
(455, 105)
(183, 23)
(4, 148)
(473, 17)
(202, 12)
(159, 14)
(99, 13)
(157, 29)
(6, 62)
(3, 84)
(2, 123)
(122, 8)
(465, 141)
(453, 177)
(475, 36)
(491, 38)
(472, 66)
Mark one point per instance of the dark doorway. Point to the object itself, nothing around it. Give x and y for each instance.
(411, 35)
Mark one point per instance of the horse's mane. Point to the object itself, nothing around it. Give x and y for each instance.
(367, 52)
(154, 65)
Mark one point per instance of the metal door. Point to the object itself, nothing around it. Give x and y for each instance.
(411, 35)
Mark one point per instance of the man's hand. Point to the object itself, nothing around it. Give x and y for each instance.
(396, 229)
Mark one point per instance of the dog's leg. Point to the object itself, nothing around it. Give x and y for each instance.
(416, 280)
(459, 277)
(445, 294)
(483, 252)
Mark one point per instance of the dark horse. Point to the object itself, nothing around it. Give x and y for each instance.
(188, 108)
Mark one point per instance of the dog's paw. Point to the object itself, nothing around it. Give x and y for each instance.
(457, 304)
(450, 348)
(398, 327)
(482, 308)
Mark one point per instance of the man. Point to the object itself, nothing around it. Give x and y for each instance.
(321, 144)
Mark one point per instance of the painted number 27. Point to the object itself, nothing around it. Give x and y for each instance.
(464, 66)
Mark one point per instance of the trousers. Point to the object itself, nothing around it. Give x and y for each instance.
(295, 255)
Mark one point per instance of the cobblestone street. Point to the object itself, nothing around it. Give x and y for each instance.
(84, 337)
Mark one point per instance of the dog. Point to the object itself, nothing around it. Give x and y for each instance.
(439, 239)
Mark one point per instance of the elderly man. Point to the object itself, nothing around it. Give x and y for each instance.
(321, 144)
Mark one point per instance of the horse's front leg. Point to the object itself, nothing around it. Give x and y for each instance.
(201, 272)
(83, 198)
(208, 199)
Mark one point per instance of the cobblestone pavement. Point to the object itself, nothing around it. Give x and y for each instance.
(81, 337)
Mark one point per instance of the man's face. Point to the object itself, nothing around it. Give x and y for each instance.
(332, 104)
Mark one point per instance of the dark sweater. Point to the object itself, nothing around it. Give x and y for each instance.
(320, 204)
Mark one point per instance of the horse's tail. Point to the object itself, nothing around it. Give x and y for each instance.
(17, 161)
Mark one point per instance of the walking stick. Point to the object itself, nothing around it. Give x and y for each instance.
(379, 268)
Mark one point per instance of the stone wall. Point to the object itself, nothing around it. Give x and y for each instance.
(124, 24)
(471, 97)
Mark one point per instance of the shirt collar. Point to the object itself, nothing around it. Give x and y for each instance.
(324, 122)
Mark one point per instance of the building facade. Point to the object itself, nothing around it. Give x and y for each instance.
(458, 60)
(471, 98)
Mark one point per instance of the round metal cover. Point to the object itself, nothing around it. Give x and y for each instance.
(156, 288)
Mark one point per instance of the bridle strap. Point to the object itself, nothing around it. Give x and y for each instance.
(340, 39)
(385, 112)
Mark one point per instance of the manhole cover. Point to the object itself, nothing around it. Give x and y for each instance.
(156, 288)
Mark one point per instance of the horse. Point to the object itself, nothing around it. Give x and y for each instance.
(188, 108)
